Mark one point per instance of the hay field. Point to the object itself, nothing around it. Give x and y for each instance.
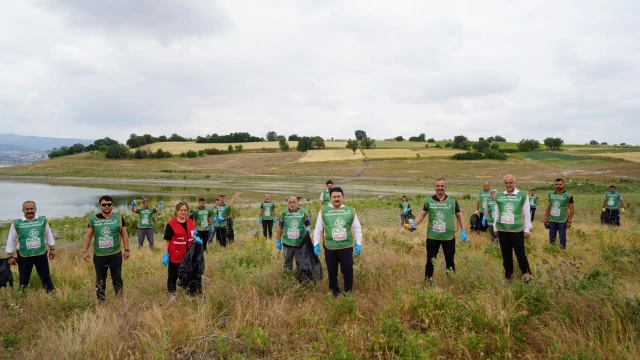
(388, 153)
(178, 147)
(628, 156)
(330, 155)
(438, 152)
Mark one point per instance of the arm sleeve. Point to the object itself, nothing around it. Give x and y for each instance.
(124, 223)
(495, 219)
(168, 232)
(621, 198)
(48, 236)
(319, 230)
(571, 199)
(12, 240)
(526, 211)
(321, 196)
(457, 207)
(357, 230)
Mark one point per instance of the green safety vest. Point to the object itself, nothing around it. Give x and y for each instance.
(294, 226)
(442, 218)
(613, 200)
(533, 201)
(267, 210)
(483, 197)
(106, 234)
(223, 211)
(31, 236)
(491, 211)
(510, 209)
(145, 221)
(559, 205)
(337, 227)
(405, 206)
(326, 198)
(201, 218)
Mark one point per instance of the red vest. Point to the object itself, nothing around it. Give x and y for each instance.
(181, 241)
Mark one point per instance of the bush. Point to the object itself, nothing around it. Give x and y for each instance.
(494, 154)
(419, 138)
(191, 154)
(469, 155)
(304, 144)
(526, 145)
(438, 146)
(399, 138)
(481, 145)
(431, 140)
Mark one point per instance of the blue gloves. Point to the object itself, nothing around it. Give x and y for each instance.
(463, 236)
(357, 250)
(198, 240)
(278, 244)
(307, 230)
(260, 221)
(400, 213)
(212, 228)
(316, 249)
(484, 222)
(218, 218)
(195, 232)
(133, 204)
(165, 260)
(410, 226)
(160, 202)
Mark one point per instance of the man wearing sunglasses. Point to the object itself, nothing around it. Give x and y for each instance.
(109, 231)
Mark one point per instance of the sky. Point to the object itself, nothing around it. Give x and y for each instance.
(522, 70)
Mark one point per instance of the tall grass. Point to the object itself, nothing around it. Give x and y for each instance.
(584, 303)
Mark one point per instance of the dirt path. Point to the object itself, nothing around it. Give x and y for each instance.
(360, 171)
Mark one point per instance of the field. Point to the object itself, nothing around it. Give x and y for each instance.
(331, 155)
(628, 156)
(178, 147)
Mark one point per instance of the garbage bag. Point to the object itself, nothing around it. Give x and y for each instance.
(308, 266)
(230, 234)
(6, 276)
(474, 222)
(191, 269)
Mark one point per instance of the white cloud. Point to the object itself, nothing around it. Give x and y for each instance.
(77, 68)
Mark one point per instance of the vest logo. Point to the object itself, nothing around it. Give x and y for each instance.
(439, 225)
(508, 216)
(293, 232)
(555, 209)
(611, 202)
(105, 240)
(33, 241)
(339, 232)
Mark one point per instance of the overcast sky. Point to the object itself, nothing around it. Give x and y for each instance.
(90, 69)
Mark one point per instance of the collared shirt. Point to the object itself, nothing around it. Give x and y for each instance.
(12, 240)
(307, 222)
(526, 212)
(319, 231)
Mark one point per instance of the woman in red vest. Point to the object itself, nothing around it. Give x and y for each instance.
(179, 237)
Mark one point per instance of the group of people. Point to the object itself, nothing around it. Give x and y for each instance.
(507, 214)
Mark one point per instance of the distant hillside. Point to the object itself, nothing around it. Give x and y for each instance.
(12, 142)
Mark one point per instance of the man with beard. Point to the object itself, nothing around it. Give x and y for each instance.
(559, 213)
(201, 217)
(294, 223)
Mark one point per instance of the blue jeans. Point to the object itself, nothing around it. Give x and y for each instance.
(561, 230)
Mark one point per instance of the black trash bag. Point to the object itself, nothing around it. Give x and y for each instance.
(308, 266)
(230, 234)
(191, 269)
(6, 276)
(474, 222)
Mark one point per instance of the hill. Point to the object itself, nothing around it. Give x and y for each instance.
(13, 142)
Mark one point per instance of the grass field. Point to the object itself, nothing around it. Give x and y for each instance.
(628, 156)
(179, 147)
(388, 153)
(331, 155)
(583, 303)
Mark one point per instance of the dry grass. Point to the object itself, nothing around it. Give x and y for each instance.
(179, 147)
(331, 155)
(433, 152)
(388, 153)
(628, 156)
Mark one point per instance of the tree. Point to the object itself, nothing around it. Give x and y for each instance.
(272, 136)
(553, 143)
(318, 142)
(230, 149)
(604, 143)
(353, 145)
(398, 138)
(491, 139)
(431, 140)
(495, 146)
(593, 142)
(499, 138)
(481, 145)
(368, 143)
(116, 152)
(293, 137)
(459, 141)
(526, 145)
(305, 143)
(360, 134)
(282, 143)
(421, 138)
(238, 148)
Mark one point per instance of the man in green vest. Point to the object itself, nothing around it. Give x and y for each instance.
(223, 213)
(613, 205)
(201, 217)
(325, 198)
(109, 232)
(444, 212)
(266, 218)
(559, 213)
(533, 203)
(483, 197)
(145, 222)
(511, 226)
(30, 236)
(489, 215)
(294, 223)
(339, 229)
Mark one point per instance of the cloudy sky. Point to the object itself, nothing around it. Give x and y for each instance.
(89, 69)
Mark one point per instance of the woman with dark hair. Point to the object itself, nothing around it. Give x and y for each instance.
(179, 236)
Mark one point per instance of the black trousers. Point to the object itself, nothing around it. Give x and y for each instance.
(204, 236)
(221, 236)
(25, 267)
(613, 216)
(343, 258)
(104, 264)
(172, 278)
(433, 247)
(267, 228)
(511, 242)
(533, 213)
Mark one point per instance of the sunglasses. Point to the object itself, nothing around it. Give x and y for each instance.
(106, 204)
